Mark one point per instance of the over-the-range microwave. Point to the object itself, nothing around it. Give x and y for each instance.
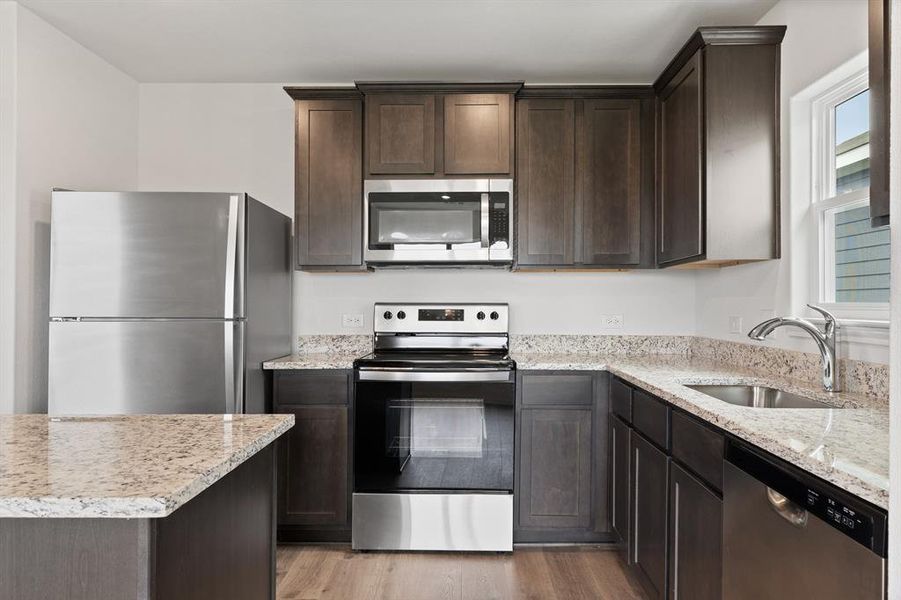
(438, 221)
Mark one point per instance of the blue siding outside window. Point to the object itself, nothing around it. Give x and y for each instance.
(861, 258)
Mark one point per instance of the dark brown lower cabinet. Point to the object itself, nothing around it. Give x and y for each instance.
(313, 454)
(695, 538)
(555, 489)
(561, 458)
(217, 546)
(619, 483)
(649, 474)
(314, 458)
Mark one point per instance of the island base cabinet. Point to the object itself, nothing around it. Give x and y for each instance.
(650, 470)
(220, 545)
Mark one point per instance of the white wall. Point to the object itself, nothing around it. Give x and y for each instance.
(240, 136)
(75, 126)
(821, 36)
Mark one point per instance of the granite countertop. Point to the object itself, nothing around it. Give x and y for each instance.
(847, 445)
(130, 466)
(313, 360)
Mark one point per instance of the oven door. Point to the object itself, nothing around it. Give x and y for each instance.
(419, 431)
(427, 221)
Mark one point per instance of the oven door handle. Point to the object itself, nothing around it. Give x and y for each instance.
(433, 376)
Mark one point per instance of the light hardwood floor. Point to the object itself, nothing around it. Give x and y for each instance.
(557, 573)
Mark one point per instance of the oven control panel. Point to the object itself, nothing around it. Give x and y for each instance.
(485, 318)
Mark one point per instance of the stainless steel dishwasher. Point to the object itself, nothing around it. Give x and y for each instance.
(787, 534)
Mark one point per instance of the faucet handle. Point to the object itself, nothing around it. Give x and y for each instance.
(831, 321)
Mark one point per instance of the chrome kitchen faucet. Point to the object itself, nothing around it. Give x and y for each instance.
(825, 341)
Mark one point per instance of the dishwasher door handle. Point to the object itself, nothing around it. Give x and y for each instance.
(787, 509)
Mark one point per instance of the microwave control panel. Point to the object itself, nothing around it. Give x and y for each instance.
(499, 220)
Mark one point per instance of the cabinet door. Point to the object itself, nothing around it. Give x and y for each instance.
(313, 466)
(555, 468)
(695, 545)
(649, 514)
(608, 188)
(400, 133)
(545, 183)
(620, 475)
(477, 134)
(680, 192)
(880, 75)
(329, 183)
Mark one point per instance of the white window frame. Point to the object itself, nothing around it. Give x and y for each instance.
(824, 199)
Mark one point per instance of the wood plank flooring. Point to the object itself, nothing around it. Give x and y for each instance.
(549, 573)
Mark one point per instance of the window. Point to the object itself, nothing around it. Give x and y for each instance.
(853, 273)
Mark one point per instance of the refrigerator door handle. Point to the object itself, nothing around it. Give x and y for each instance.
(231, 250)
(233, 355)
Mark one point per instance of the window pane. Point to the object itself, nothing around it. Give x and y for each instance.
(861, 257)
(852, 143)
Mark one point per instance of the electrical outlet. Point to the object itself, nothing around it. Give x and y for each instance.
(352, 321)
(735, 325)
(612, 321)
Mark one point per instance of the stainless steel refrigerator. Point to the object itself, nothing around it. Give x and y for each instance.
(165, 302)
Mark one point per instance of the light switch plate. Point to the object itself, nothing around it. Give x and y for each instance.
(735, 325)
(352, 321)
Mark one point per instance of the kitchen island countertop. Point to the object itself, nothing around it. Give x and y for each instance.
(127, 466)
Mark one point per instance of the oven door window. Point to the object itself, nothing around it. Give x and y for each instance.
(433, 436)
(451, 220)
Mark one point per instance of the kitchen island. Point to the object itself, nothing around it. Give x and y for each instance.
(138, 506)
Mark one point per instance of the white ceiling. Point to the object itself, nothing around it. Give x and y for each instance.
(339, 41)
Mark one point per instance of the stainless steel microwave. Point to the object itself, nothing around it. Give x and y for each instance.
(438, 221)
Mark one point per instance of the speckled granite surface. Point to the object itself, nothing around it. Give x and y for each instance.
(135, 466)
(847, 446)
(856, 376)
(318, 360)
(601, 344)
(356, 345)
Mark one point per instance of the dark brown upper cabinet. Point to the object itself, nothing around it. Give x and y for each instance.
(400, 133)
(478, 134)
(545, 166)
(718, 149)
(879, 72)
(328, 186)
(585, 177)
(424, 129)
(608, 182)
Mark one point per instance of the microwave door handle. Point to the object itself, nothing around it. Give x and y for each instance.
(484, 213)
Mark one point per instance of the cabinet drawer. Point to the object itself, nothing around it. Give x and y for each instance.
(312, 387)
(650, 416)
(699, 448)
(621, 399)
(557, 389)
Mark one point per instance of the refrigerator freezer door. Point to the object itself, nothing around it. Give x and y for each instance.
(146, 254)
(146, 367)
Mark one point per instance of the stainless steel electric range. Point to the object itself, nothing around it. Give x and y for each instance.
(433, 430)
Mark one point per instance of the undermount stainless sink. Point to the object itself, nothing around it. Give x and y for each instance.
(758, 396)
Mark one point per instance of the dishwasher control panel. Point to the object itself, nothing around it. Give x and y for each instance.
(854, 517)
(841, 516)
